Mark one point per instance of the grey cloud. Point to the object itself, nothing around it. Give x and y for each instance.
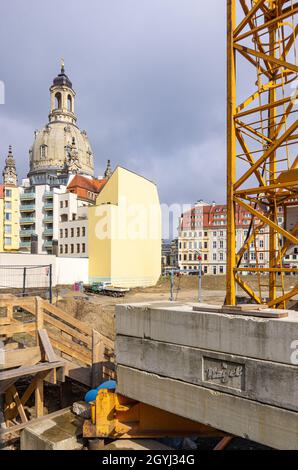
(149, 77)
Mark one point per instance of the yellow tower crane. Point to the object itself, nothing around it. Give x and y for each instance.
(262, 147)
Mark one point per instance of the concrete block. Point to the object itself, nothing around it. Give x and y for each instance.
(265, 381)
(272, 426)
(259, 338)
(60, 433)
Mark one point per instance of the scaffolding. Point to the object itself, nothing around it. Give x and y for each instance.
(262, 145)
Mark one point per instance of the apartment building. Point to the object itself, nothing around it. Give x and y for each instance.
(203, 231)
(9, 207)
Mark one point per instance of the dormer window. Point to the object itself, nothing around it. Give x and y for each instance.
(43, 151)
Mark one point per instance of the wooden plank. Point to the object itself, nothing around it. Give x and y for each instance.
(68, 329)
(17, 357)
(5, 384)
(67, 318)
(98, 351)
(29, 370)
(19, 405)
(46, 343)
(10, 330)
(19, 427)
(70, 348)
(39, 398)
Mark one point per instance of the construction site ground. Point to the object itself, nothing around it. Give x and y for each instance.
(99, 310)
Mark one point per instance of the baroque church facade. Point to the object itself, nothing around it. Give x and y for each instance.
(60, 152)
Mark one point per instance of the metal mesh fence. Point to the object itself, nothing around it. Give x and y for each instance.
(27, 280)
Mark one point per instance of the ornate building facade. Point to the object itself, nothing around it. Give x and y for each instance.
(60, 148)
(60, 152)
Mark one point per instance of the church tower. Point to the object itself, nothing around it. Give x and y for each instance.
(60, 149)
(10, 172)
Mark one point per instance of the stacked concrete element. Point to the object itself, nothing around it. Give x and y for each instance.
(233, 372)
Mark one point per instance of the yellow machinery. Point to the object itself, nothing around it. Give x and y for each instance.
(262, 147)
(118, 417)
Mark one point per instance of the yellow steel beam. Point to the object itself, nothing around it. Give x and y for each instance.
(277, 143)
(231, 153)
(284, 298)
(269, 24)
(267, 221)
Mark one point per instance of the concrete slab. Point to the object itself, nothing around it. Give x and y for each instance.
(59, 433)
(265, 381)
(251, 420)
(260, 338)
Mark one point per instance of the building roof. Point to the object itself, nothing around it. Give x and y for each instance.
(93, 185)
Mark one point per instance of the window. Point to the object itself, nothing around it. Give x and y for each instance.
(83, 248)
(8, 216)
(78, 248)
(262, 256)
(61, 233)
(221, 269)
(61, 204)
(7, 205)
(214, 244)
(58, 100)
(72, 248)
(7, 229)
(205, 234)
(190, 257)
(72, 232)
(73, 216)
(221, 256)
(66, 203)
(7, 241)
(78, 231)
(205, 257)
(221, 244)
(205, 269)
(221, 233)
(8, 192)
(61, 249)
(205, 245)
(261, 243)
(69, 103)
(66, 233)
(184, 258)
(214, 234)
(66, 249)
(214, 256)
(64, 218)
(214, 270)
(83, 231)
(43, 151)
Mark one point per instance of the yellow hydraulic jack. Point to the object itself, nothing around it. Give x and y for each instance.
(117, 417)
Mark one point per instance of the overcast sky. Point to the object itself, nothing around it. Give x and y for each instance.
(150, 82)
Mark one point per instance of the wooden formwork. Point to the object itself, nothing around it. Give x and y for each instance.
(40, 341)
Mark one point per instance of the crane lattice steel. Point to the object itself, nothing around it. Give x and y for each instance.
(262, 145)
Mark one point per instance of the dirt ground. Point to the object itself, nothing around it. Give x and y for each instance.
(99, 311)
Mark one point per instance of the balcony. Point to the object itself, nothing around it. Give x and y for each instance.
(48, 218)
(48, 244)
(27, 207)
(26, 233)
(27, 196)
(27, 220)
(48, 232)
(48, 195)
(25, 244)
(48, 206)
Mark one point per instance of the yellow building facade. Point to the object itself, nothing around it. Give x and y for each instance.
(124, 232)
(9, 207)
